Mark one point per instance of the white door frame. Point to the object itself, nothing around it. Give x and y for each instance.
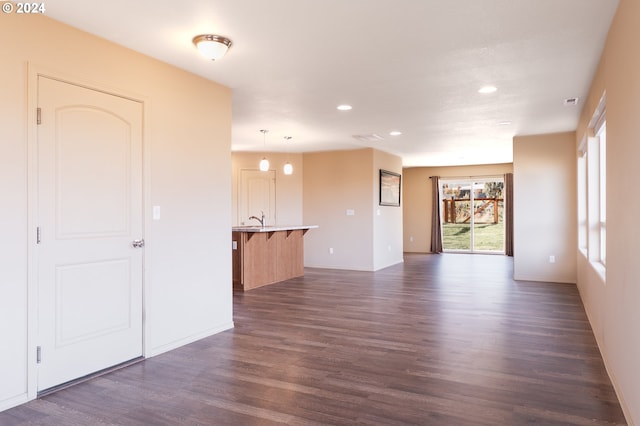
(243, 212)
(33, 72)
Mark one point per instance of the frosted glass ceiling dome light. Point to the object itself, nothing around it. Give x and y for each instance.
(212, 46)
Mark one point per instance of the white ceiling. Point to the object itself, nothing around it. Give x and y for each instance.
(408, 65)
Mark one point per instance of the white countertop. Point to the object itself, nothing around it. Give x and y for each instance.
(275, 228)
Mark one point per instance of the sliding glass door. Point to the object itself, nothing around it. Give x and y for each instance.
(472, 214)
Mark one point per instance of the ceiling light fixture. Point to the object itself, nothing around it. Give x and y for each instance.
(488, 89)
(264, 163)
(212, 46)
(345, 107)
(395, 133)
(288, 168)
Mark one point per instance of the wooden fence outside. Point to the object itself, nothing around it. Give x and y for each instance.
(449, 209)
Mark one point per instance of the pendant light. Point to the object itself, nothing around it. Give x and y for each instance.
(264, 163)
(288, 168)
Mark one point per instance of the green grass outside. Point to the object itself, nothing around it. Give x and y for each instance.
(488, 236)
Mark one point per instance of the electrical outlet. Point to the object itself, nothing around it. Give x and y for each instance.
(330, 250)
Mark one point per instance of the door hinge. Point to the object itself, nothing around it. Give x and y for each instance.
(38, 354)
(38, 115)
(38, 235)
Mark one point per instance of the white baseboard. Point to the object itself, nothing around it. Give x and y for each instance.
(151, 352)
(614, 381)
(14, 401)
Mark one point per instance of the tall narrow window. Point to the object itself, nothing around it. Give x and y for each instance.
(596, 188)
(582, 196)
(602, 145)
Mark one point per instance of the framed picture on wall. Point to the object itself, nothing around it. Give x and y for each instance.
(389, 188)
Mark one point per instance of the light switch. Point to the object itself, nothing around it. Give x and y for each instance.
(234, 245)
(156, 212)
(351, 212)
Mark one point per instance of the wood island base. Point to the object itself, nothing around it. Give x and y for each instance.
(263, 256)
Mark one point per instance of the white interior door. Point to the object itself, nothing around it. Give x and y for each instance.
(89, 212)
(257, 194)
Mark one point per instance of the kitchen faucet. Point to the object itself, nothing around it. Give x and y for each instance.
(261, 220)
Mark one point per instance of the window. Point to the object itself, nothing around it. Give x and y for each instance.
(472, 214)
(602, 139)
(582, 197)
(592, 190)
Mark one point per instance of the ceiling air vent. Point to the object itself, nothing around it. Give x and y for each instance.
(571, 102)
(368, 138)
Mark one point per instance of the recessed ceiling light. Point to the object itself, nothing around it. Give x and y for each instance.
(504, 123)
(344, 107)
(487, 89)
(395, 133)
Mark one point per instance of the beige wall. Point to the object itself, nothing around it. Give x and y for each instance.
(417, 199)
(614, 307)
(288, 187)
(187, 139)
(544, 207)
(387, 220)
(333, 183)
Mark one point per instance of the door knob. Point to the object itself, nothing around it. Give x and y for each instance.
(137, 243)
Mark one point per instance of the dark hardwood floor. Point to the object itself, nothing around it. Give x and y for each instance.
(439, 340)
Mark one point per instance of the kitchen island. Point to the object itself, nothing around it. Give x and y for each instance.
(267, 254)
